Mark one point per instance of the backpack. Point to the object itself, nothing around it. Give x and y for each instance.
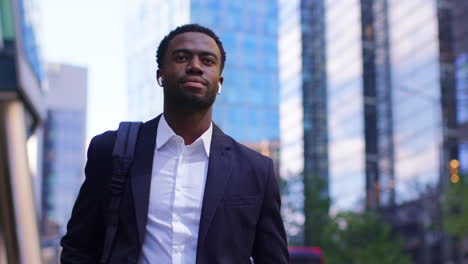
(122, 158)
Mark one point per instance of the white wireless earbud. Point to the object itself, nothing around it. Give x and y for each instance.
(220, 87)
(160, 81)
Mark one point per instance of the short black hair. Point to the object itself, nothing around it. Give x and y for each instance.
(162, 48)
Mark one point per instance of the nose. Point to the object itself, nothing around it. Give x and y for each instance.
(194, 67)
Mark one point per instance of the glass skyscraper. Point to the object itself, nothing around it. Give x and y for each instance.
(347, 179)
(21, 113)
(303, 121)
(64, 148)
(291, 118)
(247, 108)
(391, 108)
(416, 84)
(291, 103)
(460, 43)
(386, 71)
(387, 98)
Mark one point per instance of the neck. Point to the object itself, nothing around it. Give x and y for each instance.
(190, 125)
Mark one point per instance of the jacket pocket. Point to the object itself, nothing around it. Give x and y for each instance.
(241, 201)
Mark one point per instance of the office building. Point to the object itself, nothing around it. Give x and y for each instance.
(64, 148)
(460, 55)
(386, 76)
(460, 45)
(22, 111)
(387, 96)
(391, 80)
(247, 109)
(347, 178)
(303, 114)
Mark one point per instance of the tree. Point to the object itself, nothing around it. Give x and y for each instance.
(456, 208)
(305, 205)
(316, 210)
(292, 208)
(361, 238)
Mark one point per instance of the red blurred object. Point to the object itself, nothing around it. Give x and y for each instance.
(306, 255)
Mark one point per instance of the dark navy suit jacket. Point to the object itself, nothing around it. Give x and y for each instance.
(240, 213)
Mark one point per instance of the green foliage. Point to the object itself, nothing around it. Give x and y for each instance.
(456, 208)
(316, 207)
(351, 238)
(292, 209)
(361, 238)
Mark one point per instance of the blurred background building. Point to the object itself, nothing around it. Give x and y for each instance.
(303, 108)
(22, 110)
(64, 150)
(376, 117)
(460, 46)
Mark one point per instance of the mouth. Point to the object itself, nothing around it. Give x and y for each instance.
(195, 82)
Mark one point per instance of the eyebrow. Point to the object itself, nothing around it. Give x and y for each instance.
(205, 53)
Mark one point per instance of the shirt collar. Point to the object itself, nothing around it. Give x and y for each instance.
(165, 133)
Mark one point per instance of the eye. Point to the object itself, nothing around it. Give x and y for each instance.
(181, 58)
(208, 61)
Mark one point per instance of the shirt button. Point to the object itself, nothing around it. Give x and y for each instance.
(178, 249)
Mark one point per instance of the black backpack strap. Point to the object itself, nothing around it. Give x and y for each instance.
(122, 157)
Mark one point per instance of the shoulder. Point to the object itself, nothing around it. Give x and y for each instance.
(102, 144)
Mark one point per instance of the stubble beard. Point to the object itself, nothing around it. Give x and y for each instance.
(183, 99)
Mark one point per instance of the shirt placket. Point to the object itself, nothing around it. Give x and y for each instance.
(177, 236)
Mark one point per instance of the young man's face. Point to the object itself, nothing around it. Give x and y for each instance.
(191, 71)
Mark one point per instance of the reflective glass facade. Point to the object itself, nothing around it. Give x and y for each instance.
(303, 121)
(28, 10)
(21, 112)
(460, 42)
(314, 90)
(247, 109)
(383, 102)
(389, 96)
(64, 155)
(414, 50)
(461, 79)
(291, 103)
(64, 146)
(345, 105)
(291, 118)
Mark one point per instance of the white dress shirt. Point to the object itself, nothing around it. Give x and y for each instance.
(176, 197)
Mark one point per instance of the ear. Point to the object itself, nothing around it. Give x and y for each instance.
(159, 78)
(220, 82)
(158, 74)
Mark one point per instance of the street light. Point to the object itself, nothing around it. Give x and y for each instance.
(453, 165)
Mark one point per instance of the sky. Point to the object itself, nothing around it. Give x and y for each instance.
(89, 33)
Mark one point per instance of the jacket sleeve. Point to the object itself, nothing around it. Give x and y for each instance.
(270, 245)
(85, 230)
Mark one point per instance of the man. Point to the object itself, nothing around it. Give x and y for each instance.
(193, 194)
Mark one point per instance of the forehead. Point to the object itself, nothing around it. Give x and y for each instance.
(194, 41)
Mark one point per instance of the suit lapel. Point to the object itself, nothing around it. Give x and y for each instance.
(141, 171)
(219, 171)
